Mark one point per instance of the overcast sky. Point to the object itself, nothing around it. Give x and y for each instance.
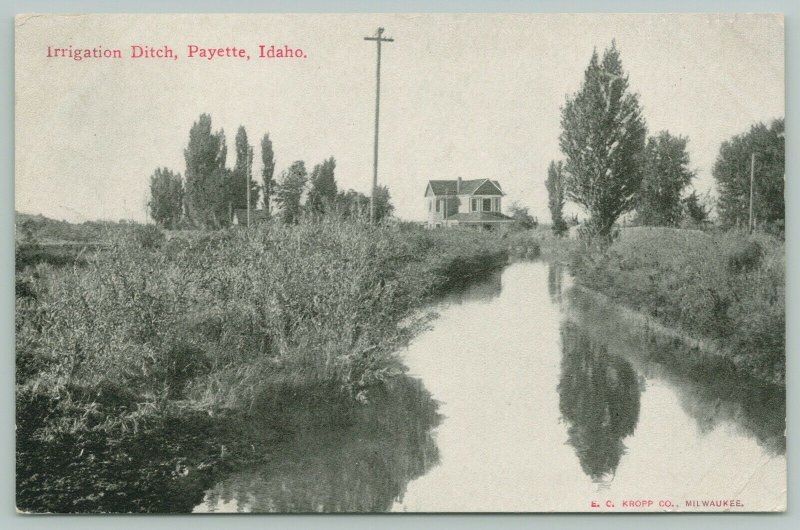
(462, 95)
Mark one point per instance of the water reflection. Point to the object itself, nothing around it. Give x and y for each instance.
(362, 466)
(709, 388)
(483, 288)
(520, 365)
(599, 397)
(159, 469)
(555, 281)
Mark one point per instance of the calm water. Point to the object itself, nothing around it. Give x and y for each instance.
(530, 395)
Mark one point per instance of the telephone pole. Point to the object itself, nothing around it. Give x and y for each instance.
(247, 166)
(379, 38)
(752, 175)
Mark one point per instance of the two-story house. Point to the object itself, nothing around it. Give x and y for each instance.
(475, 203)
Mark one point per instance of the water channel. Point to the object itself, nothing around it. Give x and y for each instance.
(529, 394)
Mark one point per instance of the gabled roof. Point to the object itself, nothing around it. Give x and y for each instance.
(468, 187)
(489, 187)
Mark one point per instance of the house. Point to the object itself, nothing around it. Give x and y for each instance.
(474, 203)
(256, 216)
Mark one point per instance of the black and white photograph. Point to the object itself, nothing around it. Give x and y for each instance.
(415, 263)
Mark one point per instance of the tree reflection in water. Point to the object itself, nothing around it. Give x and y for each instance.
(483, 286)
(361, 465)
(555, 281)
(710, 388)
(599, 397)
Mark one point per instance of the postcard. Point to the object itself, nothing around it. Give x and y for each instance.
(409, 263)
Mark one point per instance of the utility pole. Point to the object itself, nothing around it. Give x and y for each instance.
(379, 38)
(247, 166)
(752, 174)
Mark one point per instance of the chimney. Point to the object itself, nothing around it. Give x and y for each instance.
(458, 186)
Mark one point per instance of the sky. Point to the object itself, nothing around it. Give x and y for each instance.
(471, 96)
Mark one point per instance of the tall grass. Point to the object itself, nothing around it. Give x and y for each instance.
(208, 320)
(149, 329)
(724, 286)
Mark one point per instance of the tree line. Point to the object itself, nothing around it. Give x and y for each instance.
(209, 193)
(611, 167)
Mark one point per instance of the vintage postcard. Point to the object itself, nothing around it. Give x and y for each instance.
(400, 263)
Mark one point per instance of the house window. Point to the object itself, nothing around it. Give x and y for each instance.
(487, 205)
(474, 205)
(438, 205)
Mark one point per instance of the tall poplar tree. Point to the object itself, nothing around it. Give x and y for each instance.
(267, 171)
(289, 191)
(206, 176)
(602, 137)
(242, 174)
(555, 196)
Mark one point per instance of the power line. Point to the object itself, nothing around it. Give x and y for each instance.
(248, 166)
(379, 38)
(750, 225)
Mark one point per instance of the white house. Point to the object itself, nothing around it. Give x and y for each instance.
(475, 203)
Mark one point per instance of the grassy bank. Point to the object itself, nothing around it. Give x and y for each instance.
(150, 330)
(723, 287)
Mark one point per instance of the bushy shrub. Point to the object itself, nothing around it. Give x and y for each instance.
(148, 236)
(744, 257)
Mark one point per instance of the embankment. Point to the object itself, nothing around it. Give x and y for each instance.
(722, 289)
